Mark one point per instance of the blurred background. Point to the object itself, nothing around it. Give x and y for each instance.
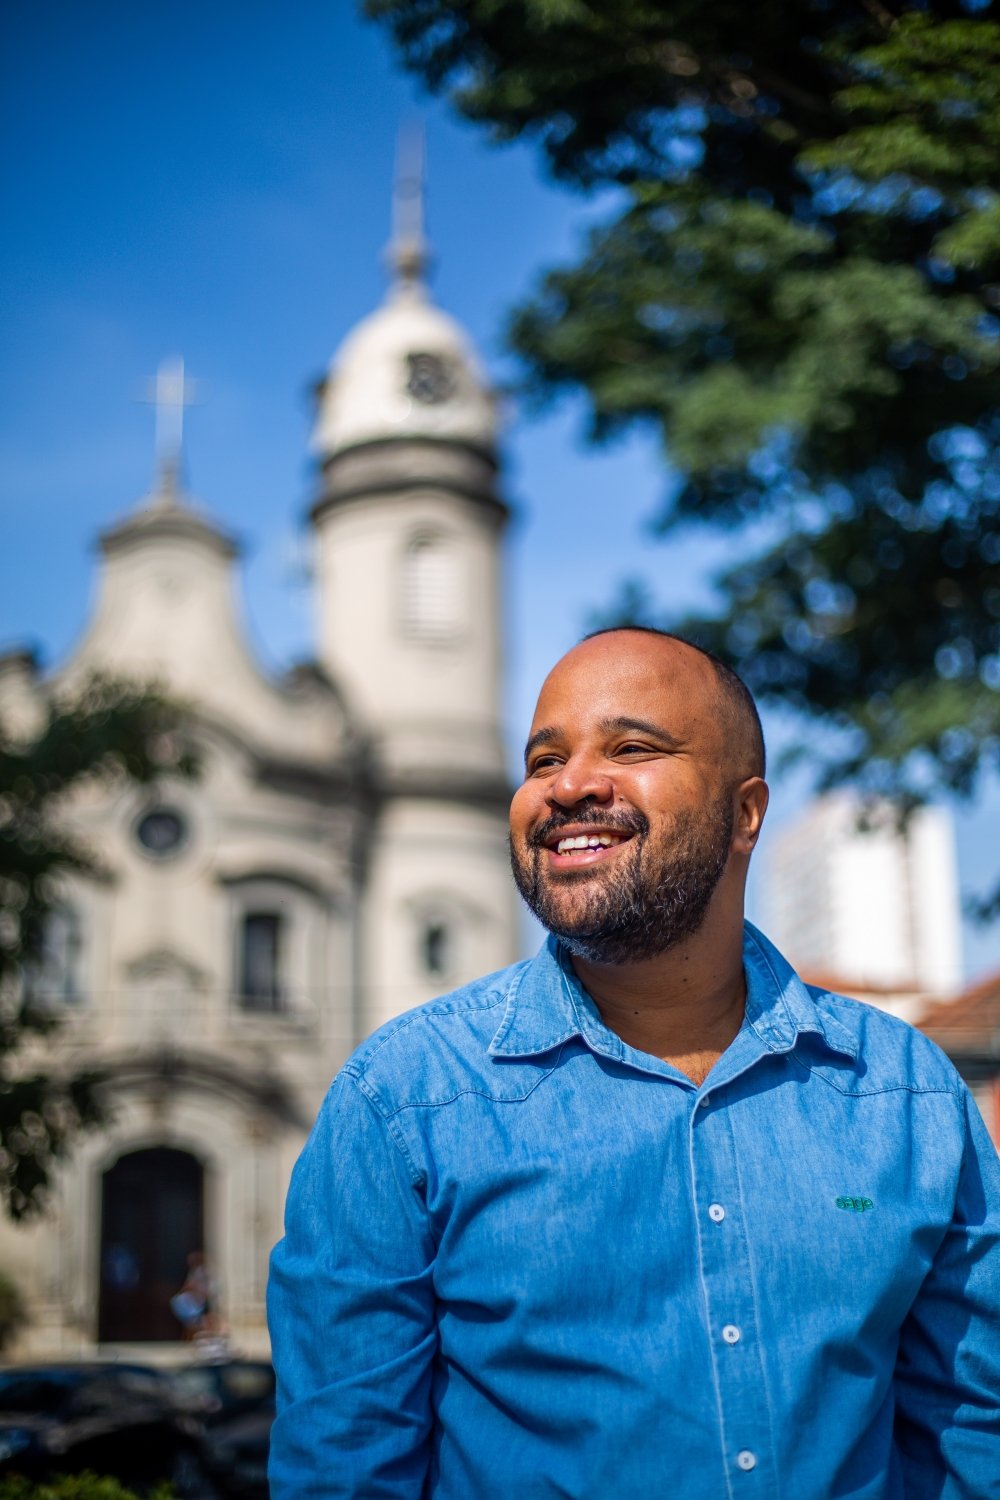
(337, 410)
(220, 187)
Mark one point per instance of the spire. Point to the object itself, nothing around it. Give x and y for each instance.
(409, 253)
(170, 392)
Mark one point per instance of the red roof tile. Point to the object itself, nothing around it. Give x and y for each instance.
(970, 1021)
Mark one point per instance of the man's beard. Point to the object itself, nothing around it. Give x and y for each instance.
(650, 896)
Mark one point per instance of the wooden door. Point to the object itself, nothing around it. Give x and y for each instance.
(152, 1218)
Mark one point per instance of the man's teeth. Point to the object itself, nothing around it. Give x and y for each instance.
(589, 841)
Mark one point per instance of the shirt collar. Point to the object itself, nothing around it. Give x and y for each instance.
(780, 1007)
(546, 1005)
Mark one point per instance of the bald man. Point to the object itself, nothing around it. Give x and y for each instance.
(646, 1216)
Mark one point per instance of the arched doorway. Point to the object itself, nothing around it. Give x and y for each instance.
(152, 1217)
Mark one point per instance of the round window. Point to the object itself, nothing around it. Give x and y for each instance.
(161, 831)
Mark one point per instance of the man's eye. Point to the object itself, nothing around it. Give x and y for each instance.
(633, 748)
(543, 763)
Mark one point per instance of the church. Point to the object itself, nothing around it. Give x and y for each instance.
(341, 857)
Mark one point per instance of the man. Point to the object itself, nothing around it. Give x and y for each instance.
(646, 1216)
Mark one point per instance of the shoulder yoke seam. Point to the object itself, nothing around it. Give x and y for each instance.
(889, 1088)
(482, 1094)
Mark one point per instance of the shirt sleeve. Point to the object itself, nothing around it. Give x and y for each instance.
(351, 1314)
(948, 1366)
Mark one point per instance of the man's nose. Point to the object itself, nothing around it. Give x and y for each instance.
(581, 779)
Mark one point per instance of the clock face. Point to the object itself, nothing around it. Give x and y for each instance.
(429, 378)
(161, 832)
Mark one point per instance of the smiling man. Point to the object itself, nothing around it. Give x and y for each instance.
(645, 1215)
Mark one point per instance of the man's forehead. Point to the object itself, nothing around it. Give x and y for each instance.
(607, 671)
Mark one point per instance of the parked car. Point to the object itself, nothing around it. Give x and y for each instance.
(122, 1420)
(234, 1400)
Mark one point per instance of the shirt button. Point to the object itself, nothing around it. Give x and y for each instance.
(731, 1333)
(704, 1101)
(746, 1460)
(716, 1213)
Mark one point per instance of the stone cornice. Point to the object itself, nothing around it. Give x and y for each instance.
(400, 466)
(488, 790)
(167, 523)
(154, 1067)
(327, 503)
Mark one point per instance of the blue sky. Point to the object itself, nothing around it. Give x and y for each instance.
(214, 180)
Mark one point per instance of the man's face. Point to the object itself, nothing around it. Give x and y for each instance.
(623, 825)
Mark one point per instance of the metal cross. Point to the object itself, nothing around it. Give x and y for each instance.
(171, 392)
(408, 248)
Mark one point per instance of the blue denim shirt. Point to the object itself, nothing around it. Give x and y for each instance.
(525, 1260)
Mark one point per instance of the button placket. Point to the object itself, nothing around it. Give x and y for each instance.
(728, 1286)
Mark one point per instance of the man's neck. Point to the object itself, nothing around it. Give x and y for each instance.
(685, 1006)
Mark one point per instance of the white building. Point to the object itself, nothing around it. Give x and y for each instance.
(342, 857)
(873, 909)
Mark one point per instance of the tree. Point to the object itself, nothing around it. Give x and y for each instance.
(799, 293)
(109, 731)
(13, 1312)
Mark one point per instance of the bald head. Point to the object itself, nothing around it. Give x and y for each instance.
(735, 704)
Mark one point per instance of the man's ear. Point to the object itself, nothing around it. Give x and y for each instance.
(750, 798)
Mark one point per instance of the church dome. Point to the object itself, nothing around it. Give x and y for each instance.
(406, 371)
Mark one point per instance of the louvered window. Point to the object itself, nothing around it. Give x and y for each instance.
(431, 589)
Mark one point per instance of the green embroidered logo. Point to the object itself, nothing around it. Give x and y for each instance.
(855, 1205)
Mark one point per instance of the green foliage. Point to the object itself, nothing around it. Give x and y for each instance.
(109, 732)
(84, 1486)
(798, 293)
(920, 102)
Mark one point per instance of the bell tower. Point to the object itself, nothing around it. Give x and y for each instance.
(408, 525)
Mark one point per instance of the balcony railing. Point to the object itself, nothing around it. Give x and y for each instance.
(197, 1017)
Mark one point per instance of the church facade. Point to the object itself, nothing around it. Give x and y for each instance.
(341, 857)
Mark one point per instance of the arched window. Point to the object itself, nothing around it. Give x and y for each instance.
(431, 603)
(447, 932)
(288, 945)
